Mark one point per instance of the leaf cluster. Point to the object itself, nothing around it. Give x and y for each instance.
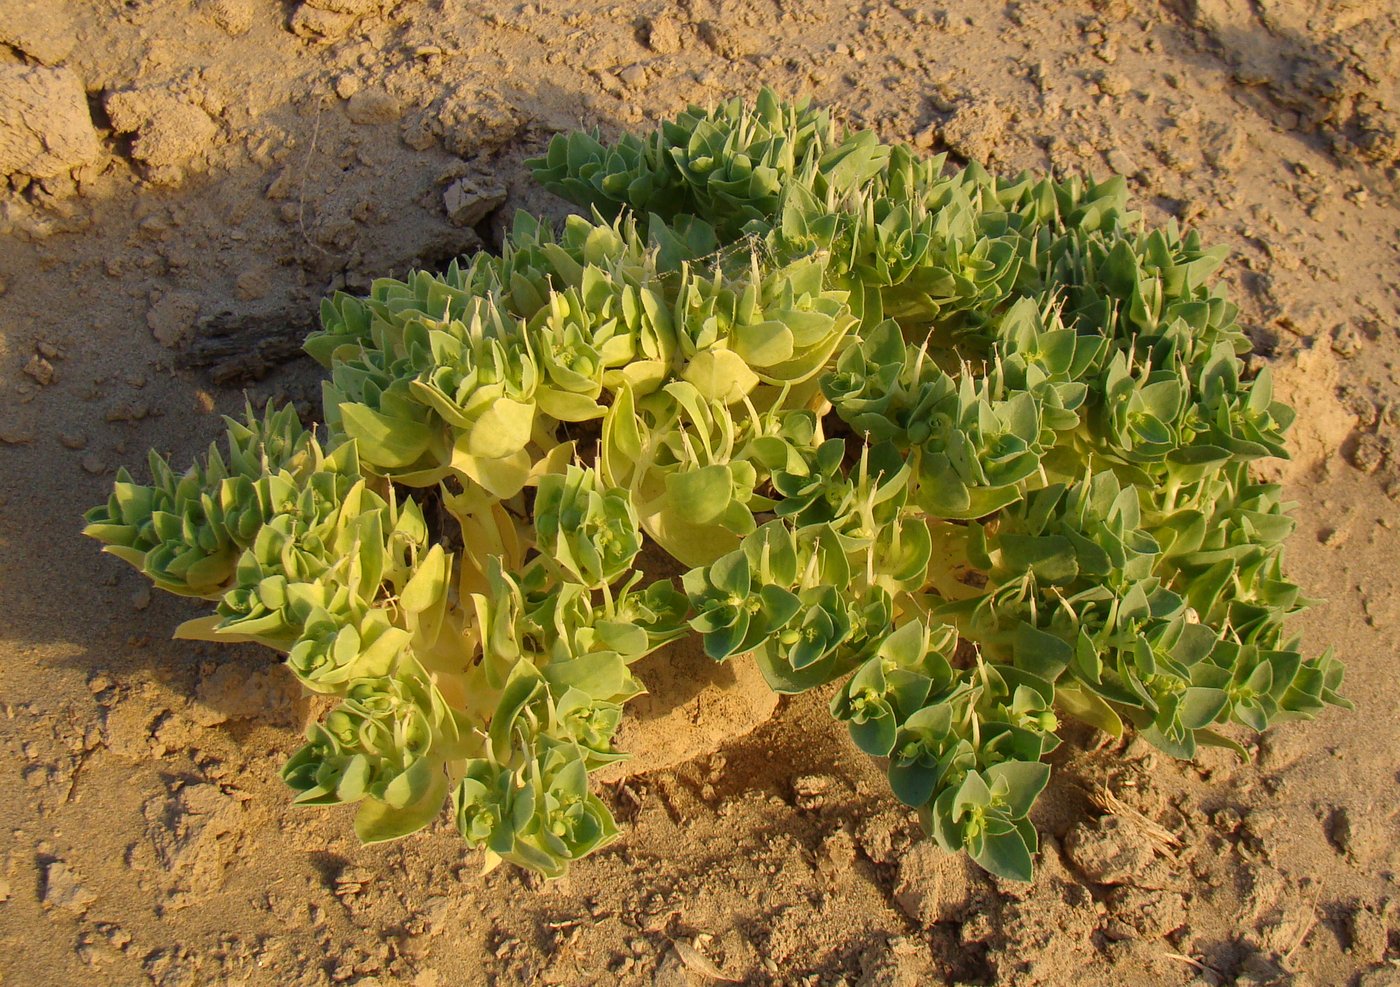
(971, 452)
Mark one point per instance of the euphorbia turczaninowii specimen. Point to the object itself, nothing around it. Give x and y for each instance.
(972, 452)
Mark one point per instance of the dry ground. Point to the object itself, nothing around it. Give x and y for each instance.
(188, 177)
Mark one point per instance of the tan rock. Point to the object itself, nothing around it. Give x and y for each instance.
(934, 886)
(171, 133)
(693, 706)
(329, 20)
(1308, 381)
(45, 127)
(468, 203)
(663, 36)
(233, 16)
(41, 29)
(370, 106)
(62, 889)
(171, 318)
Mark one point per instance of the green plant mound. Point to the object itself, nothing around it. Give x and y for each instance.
(974, 450)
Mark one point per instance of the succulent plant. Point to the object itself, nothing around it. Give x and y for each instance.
(973, 454)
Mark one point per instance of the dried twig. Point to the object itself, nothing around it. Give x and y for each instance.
(1163, 840)
(1198, 964)
(305, 171)
(1308, 926)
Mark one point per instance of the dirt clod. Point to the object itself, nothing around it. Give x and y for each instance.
(1109, 850)
(40, 29)
(62, 888)
(372, 106)
(171, 318)
(934, 886)
(233, 16)
(172, 135)
(45, 129)
(468, 203)
(663, 35)
(41, 370)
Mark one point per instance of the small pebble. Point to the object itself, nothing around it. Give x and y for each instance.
(41, 370)
(347, 84)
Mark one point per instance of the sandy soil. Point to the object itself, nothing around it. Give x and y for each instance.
(188, 177)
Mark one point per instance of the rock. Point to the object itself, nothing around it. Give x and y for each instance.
(1141, 914)
(934, 886)
(472, 121)
(1122, 163)
(329, 20)
(171, 318)
(1108, 850)
(1362, 834)
(728, 41)
(196, 833)
(321, 25)
(171, 968)
(812, 792)
(1385, 976)
(41, 29)
(234, 692)
(662, 35)
(904, 962)
(127, 729)
(975, 130)
(41, 370)
(242, 347)
(418, 131)
(232, 16)
(128, 410)
(62, 890)
(1224, 147)
(633, 76)
(1308, 381)
(371, 106)
(886, 836)
(356, 7)
(347, 84)
(1370, 938)
(252, 284)
(467, 203)
(1370, 452)
(693, 705)
(16, 433)
(171, 132)
(45, 127)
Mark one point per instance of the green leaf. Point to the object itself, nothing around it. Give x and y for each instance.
(384, 441)
(1024, 781)
(875, 736)
(720, 375)
(428, 582)
(377, 822)
(763, 344)
(1006, 856)
(503, 430)
(1077, 701)
(699, 495)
